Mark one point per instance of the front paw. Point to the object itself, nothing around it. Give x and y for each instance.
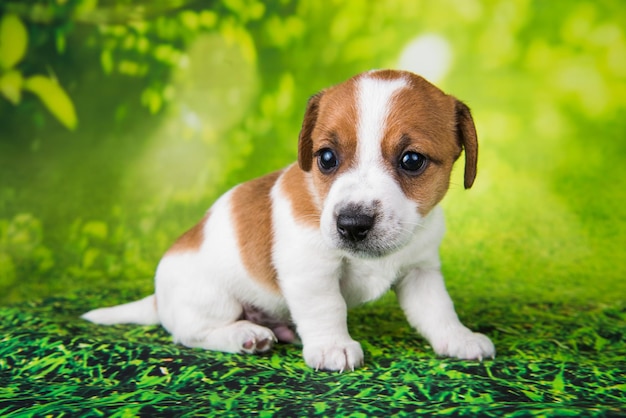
(334, 356)
(465, 345)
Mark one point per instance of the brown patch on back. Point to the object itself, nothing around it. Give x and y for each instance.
(294, 183)
(252, 218)
(190, 240)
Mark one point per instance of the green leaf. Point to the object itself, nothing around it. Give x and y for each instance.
(152, 99)
(190, 19)
(13, 41)
(96, 229)
(320, 407)
(61, 41)
(106, 60)
(533, 396)
(54, 98)
(558, 384)
(84, 8)
(11, 86)
(208, 18)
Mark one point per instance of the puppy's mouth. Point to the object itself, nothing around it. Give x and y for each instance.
(365, 250)
(360, 233)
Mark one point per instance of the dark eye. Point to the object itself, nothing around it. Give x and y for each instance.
(326, 160)
(413, 162)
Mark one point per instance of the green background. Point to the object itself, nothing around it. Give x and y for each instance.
(159, 107)
(177, 104)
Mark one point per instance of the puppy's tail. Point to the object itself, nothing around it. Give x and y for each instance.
(141, 312)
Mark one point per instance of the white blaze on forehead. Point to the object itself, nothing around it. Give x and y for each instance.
(374, 99)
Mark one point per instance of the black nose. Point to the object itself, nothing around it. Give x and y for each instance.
(354, 226)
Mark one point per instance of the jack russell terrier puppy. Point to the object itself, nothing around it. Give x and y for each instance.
(356, 216)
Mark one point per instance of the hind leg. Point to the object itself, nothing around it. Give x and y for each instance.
(212, 320)
(237, 337)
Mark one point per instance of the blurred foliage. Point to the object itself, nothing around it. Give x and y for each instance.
(121, 121)
(13, 45)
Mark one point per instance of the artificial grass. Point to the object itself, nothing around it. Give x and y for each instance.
(553, 360)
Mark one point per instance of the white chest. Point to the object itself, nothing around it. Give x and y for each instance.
(364, 280)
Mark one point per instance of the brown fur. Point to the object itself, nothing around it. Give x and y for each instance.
(466, 131)
(425, 120)
(190, 240)
(421, 118)
(295, 185)
(252, 216)
(305, 139)
(330, 122)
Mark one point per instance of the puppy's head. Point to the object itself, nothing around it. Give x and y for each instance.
(380, 149)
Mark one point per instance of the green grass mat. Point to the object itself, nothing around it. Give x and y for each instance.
(553, 360)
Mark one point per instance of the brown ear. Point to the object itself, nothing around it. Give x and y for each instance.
(305, 141)
(466, 134)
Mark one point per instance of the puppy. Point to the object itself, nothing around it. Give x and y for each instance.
(357, 215)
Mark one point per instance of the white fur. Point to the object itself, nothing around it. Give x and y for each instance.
(369, 182)
(374, 98)
(201, 294)
(141, 312)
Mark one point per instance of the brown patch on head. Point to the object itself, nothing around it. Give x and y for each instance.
(252, 217)
(330, 122)
(295, 184)
(421, 118)
(190, 240)
(425, 120)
